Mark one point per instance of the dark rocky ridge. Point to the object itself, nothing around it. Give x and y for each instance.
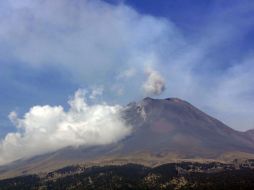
(174, 176)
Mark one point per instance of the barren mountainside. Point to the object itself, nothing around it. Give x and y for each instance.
(173, 125)
(250, 134)
(164, 130)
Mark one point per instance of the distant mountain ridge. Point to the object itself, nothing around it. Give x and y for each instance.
(164, 130)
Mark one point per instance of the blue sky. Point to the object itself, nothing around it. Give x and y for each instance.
(202, 49)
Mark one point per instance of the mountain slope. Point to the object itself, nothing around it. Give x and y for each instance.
(250, 134)
(163, 130)
(175, 125)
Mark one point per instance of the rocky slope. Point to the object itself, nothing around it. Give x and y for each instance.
(250, 134)
(164, 130)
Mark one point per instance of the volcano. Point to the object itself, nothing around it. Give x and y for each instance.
(174, 125)
(164, 130)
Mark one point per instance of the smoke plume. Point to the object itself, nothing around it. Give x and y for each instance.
(155, 83)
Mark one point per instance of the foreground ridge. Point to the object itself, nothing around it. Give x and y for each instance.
(176, 176)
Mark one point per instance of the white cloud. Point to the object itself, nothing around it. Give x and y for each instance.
(95, 41)
(49, 128)
(96, 91)
(87, 38)
(232, 100)
(155, 83)
(128, 73)
(92, 41)
(118, 90)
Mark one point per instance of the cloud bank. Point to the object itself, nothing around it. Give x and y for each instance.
(48, 128)
(86, 38)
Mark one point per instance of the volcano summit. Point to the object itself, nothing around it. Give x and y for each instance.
(163, 130)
